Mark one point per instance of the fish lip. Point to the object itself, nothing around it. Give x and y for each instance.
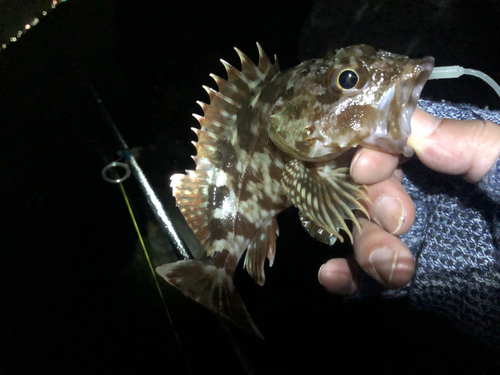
(426, 65)
(404, 94)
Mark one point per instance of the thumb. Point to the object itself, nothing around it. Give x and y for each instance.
(458, 147)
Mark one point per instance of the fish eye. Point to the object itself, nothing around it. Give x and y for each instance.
(347, 79)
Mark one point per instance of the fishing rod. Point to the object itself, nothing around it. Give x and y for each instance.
(179, 246)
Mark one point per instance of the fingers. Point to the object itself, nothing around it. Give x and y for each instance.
(457, 147)
(380, 254)
(339, 276)
(383, 256)
(469, 148)
(377, 250)
(370, 166)
(392, 208)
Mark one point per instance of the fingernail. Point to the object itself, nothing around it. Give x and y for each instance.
(354, 160)
(423, 123)
(383, 261)
(319, 273)
(344, 283)
(389, 213)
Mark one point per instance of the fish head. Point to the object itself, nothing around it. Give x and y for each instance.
(358, 96)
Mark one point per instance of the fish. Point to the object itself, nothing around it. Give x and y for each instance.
(270, 139)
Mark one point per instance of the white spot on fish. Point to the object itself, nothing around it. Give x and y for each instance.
(221, 179)
(219, 245)
(254, 101)
(217, 213)
(254, 128)
(317, 89)
(251, 210)
(175, 180)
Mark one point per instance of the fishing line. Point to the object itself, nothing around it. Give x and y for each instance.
(148, 259)
(178, 245)
(456, 71)
(119, 181)
(110, 174)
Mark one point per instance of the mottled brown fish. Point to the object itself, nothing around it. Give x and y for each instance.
(270, 139)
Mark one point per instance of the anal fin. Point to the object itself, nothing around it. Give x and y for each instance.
(262, 246)
(212, 287)
(325, 197)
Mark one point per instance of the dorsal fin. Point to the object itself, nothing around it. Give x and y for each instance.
(196, 192)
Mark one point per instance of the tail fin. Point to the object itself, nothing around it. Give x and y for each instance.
(211, 287)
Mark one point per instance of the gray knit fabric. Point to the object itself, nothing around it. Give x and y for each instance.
(455, 240)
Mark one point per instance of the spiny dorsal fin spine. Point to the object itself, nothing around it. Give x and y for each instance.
(234, 74)
(227, 88)
(205, 137)
(265, 65)
(214, 95)
(276, 65)
(203, 122)
(263, 59)
(218, 125)
(249, 69)
(215, 114)
(202, 163)
(212, 126)
(206, 152)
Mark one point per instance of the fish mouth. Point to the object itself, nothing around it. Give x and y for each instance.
(412, 91)
(396, 107)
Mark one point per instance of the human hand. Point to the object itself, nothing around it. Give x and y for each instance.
(468, 148)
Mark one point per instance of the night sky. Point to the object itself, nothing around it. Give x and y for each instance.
(76, 295)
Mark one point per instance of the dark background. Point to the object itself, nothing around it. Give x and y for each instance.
(76, 295)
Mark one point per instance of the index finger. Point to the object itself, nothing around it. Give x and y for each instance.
(370, 166)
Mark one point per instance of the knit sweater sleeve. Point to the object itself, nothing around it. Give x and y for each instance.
(490, 184)
(455, 240)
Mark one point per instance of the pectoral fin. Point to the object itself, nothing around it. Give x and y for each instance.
(325, 197)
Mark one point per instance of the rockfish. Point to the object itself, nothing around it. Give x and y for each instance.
(272, 139)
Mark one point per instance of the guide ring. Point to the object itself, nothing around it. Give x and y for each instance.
(110, 167)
